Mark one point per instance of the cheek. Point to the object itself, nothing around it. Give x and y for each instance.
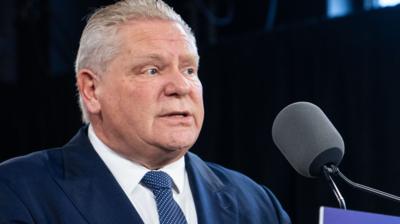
(115, 100)
(198, 93)
(108, 97)
(140, 103)
(198, 101)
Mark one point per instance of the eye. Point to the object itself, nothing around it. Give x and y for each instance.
(190, 71)
(151, 71)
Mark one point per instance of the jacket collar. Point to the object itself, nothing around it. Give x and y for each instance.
(83, 172)
(215, 201)
(91, 186)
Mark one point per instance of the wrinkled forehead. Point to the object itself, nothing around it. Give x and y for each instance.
(152, 32)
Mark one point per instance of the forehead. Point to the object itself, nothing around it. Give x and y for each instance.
(156, 35)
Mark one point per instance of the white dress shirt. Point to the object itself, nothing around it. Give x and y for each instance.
(128, 175)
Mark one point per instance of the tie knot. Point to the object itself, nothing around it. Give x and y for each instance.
(156, 180)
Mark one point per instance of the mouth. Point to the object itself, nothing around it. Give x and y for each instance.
(176, 114)
(177, 118)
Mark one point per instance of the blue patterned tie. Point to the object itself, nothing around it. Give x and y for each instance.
(160, 183)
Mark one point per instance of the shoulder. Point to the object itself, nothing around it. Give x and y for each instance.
(27, 168)
(244, 187)
(256, 202)
(232, 177)
(225, 176)
(26, 182)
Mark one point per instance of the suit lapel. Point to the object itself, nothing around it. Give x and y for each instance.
(90, 185)
(215, 203)
(93, 190)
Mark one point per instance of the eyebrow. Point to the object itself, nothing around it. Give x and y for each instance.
(151, 56)
(187, 58)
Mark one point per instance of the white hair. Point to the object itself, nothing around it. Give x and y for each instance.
(98, 44)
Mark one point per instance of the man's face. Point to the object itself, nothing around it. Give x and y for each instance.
(150, 97)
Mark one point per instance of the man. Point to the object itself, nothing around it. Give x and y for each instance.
(141, 97)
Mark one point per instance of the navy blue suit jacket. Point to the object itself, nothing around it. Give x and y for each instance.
(71, 184)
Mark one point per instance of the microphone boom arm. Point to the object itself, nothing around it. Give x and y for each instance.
(327, 174)
(332, 169)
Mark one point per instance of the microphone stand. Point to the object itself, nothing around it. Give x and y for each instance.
(327, 174)
(334, 170)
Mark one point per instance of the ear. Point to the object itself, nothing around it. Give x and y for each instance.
(87, 82)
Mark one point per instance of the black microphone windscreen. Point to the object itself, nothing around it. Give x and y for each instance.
(307, 138)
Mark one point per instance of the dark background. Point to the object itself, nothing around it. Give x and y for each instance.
(256, 57)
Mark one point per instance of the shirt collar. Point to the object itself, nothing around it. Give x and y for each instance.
(128, 173)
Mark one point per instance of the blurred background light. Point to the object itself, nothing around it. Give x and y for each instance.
(337, 8)
(385, 3)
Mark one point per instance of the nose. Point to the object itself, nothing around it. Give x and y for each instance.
(177, 84)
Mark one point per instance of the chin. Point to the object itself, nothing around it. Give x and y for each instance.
(177, 147)
(172, 153)
(180, 141)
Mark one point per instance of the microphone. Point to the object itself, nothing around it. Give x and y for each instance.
(307, 138)
(313, 146)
